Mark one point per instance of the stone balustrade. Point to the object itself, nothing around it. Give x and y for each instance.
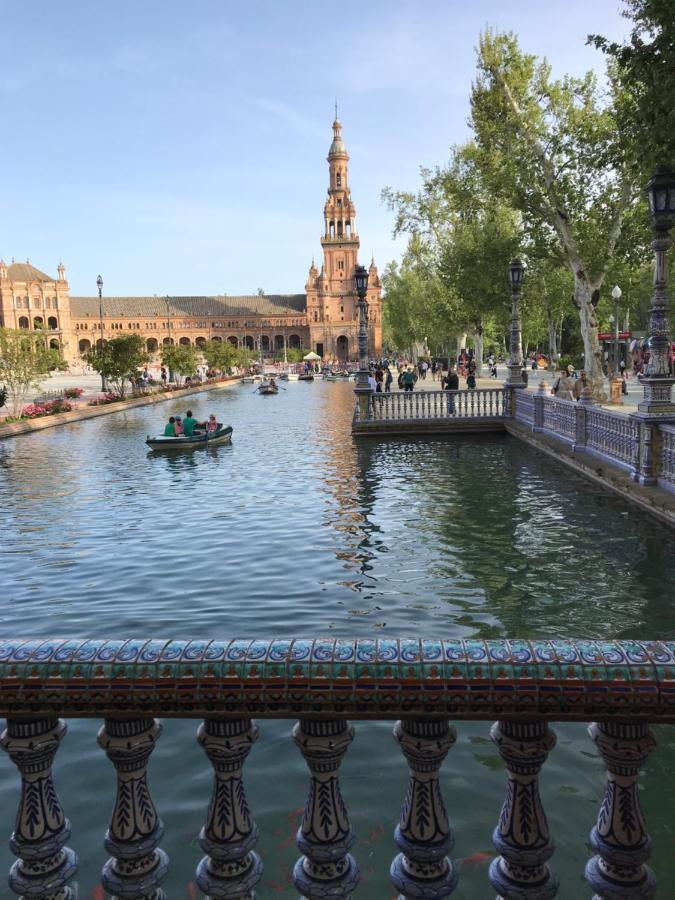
(666, 476)
(431, 408)
(620, 687)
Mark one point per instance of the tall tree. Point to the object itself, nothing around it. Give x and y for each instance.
(180, 359)
(646, 69)
(24, 358)
(119, 360)
(549, 148)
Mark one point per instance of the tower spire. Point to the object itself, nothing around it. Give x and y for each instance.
(336, 113)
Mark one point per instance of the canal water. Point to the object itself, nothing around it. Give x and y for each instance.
(295, 530)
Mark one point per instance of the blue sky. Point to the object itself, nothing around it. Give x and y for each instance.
(179, 147)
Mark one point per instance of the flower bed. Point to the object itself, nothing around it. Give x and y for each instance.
(38, 410)
(73, 393)
(104, 399)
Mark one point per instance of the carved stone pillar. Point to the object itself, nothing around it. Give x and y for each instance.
(580, 424)
(620, 837)
(422, 869)
(327, 869)
(538, 412)
(521, 836)
(45, 864)
(137, 867)
(230, 870)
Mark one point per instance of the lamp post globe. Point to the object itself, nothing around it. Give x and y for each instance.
(616, 296)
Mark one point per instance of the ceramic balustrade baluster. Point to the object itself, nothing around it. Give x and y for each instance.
(326, 869)
(230, 870)
(422, 869)
(45, 864)
(137, 867)
(620, 838)
(522, 838)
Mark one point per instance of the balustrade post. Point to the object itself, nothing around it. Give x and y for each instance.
(137, 867)
(230, 870)
(45, 864)
(326, 869)
(580, 425)
(538, 410)
(620, 837)
(422, 869)
(522, 836)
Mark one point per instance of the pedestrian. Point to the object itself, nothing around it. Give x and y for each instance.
(409, 379)
(581, 386)
(388, 378)
(451, 384)
(564, 387)
(471, 380)
(163, 376)
(379, 378)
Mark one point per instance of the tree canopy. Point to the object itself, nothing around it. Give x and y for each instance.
(24, 359)
(119, 360)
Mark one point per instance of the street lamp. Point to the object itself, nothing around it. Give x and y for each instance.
(515, 364)
(168, 328)
(657, 381)
(616, 296)
(99, 285)
(363, 390)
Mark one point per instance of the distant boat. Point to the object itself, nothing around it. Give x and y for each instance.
(223, 435)
(268, 387)
(307, 377)
(289, 376)
(251, 379)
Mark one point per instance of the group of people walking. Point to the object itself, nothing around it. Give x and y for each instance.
(565, 388)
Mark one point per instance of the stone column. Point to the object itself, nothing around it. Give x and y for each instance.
(230, 870)
(45, 864)
(137, 867)
(620, 837)
(422, 869)
(522, 836)
(326, 871)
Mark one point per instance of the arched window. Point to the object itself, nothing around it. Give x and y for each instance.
(52, 323)
(200, 341)
(26, 303)
(264, 342)
(84, 345)
(17, 302)
(217, 338)
(151, 345)
(167, 341)
(249, 343)
(48, 303)
(278, 342)
(38, 322)
(184, 342)
(294, 341)
(233, 340)
(339, 179)
(54, 344)
(23, 322)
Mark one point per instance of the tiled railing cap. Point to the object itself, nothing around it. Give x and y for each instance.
(357, 678)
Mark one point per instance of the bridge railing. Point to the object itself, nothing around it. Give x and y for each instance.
(620, 687)
(401, 406)
(667, 468)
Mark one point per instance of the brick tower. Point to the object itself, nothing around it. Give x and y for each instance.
(332, 312)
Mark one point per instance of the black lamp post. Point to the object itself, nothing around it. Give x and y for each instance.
(657, 381)
(515, 364)
(168, 328)
(363, 389)
(99, 285)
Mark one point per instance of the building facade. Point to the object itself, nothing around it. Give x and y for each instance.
(323, 319)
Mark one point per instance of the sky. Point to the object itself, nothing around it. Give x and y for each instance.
(179, 146)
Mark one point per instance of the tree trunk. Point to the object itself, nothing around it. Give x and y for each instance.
(461, 343)
(478, 345)
(552, 340)
(583, 300)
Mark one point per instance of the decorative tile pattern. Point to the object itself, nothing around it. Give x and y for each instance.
(364, 678)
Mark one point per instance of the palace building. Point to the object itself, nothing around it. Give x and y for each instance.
(323, 319)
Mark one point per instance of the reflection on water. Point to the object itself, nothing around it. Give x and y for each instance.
(296, 530)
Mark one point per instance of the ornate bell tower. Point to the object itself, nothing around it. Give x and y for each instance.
(332, 310)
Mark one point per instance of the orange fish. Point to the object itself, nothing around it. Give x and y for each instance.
(478, 857)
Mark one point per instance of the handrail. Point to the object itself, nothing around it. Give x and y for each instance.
(383, 678)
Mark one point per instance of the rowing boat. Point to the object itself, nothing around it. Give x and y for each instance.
(223, 435)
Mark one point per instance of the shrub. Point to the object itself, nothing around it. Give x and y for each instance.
(38, 410)
(104, 399)
(73, 393)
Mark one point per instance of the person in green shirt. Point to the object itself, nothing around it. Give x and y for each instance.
(170, 428)
(189, 424)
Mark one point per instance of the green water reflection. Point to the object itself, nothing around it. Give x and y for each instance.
(295, 530)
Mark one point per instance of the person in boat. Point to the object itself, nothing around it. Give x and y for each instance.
(170, 428)
(178, 425)
(212, 424)
(273, 383)
(189, 424)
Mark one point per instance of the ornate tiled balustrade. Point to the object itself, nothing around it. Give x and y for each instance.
(667, 468)
(618, 686)
(611, 435)
(559, 417)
